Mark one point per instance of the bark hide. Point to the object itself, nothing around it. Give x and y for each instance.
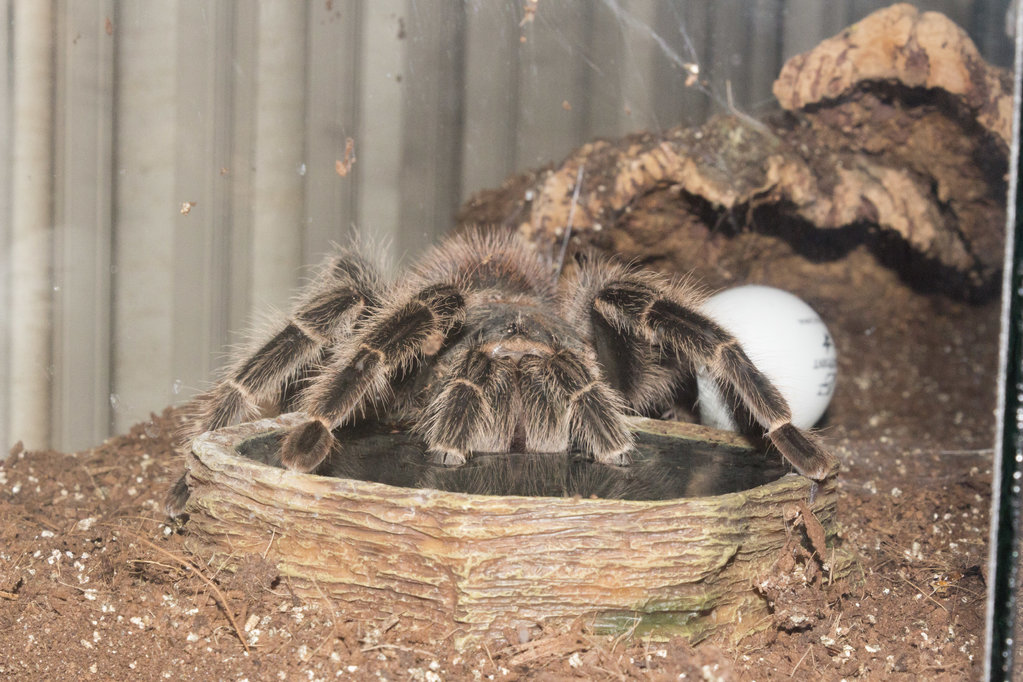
(894, 134)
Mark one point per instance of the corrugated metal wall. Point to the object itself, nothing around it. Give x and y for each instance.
(168, 169)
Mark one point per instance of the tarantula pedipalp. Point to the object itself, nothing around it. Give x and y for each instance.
(482, 348)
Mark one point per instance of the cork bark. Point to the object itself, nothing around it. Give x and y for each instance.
(894, 131)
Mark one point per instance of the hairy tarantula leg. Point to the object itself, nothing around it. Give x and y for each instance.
(475, 410)
(327, 309)
(730, 366)
(560, 389)
(666, 321)
(177, 496)
(396, 340)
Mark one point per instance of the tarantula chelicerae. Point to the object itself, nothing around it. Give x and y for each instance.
(481, 347)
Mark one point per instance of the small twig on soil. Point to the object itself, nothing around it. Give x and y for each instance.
(486, 649)
(8, 595)
(398, 647)
(83, 590)
(105, 470)
(209, 583)
(92, 480)
(625, 635)
(800, 661)
(13, 567)
(155, 563)
(273, 535)
(915, 587)
(135, 517)
(388, 625)
(44, 522)
(223, 564)
(333, 614)
(549, 647)
(610, 673)
(450, 632)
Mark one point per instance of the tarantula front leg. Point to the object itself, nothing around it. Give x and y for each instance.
(397, 339)
(559, 398)
(563, 396)
(475, 410)
(666, 316)
(328, 309)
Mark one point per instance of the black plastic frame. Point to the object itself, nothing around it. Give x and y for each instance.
(1003, 575)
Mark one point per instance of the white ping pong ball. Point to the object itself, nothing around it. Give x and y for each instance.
(785, 339)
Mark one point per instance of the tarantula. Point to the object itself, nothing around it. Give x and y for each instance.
(482, 347)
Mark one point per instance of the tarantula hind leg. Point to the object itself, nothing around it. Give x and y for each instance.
(667, 316)
(803, 451)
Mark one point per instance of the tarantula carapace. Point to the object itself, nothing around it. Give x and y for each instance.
(482, 347)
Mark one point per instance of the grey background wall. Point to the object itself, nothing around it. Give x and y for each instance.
(168, 170)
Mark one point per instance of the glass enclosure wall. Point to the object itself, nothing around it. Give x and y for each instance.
(172, 172)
